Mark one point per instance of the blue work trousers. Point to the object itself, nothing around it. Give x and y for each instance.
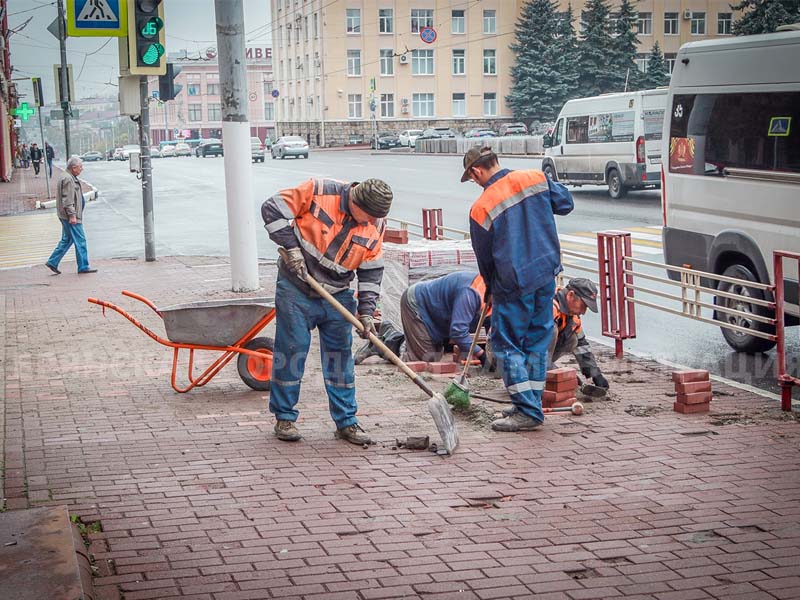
(521, 332)
(296, 316)
(71, 234)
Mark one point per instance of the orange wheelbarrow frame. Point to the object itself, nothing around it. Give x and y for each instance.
(256, 360)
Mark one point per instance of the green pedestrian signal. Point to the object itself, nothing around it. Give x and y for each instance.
(152, 54)
(146, 39)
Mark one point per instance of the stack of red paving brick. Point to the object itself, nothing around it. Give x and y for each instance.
(560, 388)
(694, 391)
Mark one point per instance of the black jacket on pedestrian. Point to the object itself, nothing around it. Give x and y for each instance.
(49, 152)
(36, 154)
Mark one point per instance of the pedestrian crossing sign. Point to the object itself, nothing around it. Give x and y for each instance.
(779, 126)
(98, 18)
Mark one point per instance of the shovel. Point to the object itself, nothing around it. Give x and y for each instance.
(437, 405)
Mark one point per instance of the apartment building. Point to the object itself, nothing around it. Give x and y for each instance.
(344, 68)
(197, 111)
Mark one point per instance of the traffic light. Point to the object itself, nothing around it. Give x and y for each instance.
(146, 51)
(167, 88)
(38, 97)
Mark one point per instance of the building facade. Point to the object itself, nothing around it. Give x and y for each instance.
(8, 99)
(345, 68)
(197, 111)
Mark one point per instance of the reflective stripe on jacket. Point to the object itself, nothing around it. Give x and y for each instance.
(514, 232)
(315, 217)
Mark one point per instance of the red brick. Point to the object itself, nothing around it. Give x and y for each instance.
(395, 236)
(696, 398)
(691, 408)
(418, 366)
(562, 374)
(442, 368)
(570, 385)
(689, 376)
(550, 397)
(692, 388)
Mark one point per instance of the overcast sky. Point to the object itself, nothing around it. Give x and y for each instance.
(95, 63)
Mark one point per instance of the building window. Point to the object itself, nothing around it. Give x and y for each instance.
(387, 62)
(460, 105)
(644, 26)
(724, 24)
(212, 89)
(354, 106)
(195, 112)
(698, 23)
(297, 35)
(280, 36)
(421, 17)
(193, 89)
(315, 25)
(422, 105)
(641, 62)
(459, 22)
(387, 106)
(669, 61)
(671, 23)
(459, 62)
(385, 20)
(489, 62)
(353, 20)
(305, 28)
(214, 112)
(490, 104)
(354, 63)
(289, 69)
(422, 62)
(269, 111)
(489, 21)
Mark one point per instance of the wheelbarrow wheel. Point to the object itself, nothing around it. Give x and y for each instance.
(257, 372)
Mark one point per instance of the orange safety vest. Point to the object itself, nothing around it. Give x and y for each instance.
(479, 285)
(564, 320)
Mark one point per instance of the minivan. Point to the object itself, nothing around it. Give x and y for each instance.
(613, 139)
(732, 170)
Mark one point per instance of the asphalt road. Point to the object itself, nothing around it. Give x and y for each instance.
(190, 217)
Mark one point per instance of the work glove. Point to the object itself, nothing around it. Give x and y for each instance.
(600, 381)
(296, 264)
(369, 326)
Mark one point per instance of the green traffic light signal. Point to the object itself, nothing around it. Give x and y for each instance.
(152, 27)
(153, 52)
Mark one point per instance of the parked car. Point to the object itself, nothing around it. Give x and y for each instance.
(117, 155)
(209, 148)
(434, 133)
(409, 136)
(256, 150)
(290, 145)
(168, 151)
(127, 149)
(479, 133)
(92, 156)
(201, 142)
(182, 149)
(513, 129)
(385, 140)
(155, 152)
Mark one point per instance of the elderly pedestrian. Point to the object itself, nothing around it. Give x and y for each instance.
(70, 204)
(333, 231)
(516, 244)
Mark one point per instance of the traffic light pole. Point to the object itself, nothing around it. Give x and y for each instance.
(64, 83)
(147, 173)
(46, 175)
(236, 138)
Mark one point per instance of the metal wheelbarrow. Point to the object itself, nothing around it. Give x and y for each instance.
(227, 326)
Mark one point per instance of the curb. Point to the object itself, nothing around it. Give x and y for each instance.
(90, 196)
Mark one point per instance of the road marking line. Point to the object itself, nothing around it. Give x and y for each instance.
(637, 247)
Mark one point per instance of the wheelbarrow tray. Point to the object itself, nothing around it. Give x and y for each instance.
(214, 323)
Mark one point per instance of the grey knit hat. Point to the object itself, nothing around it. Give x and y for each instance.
(373, 196)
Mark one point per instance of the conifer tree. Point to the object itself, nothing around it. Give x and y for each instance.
(656, 69)
(623, 56)
(541, 81)
(765, 16)
(597, 75)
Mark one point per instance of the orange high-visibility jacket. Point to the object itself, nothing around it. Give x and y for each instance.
(315, 217)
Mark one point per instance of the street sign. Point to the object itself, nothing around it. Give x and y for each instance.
(23, 111)
(53, 29)
(17, 123)
(60, 96)
(100, 18)
(779, 126)
(154, 93)
(176, 131)
(58, 114)
(275, 93)
(428, 35)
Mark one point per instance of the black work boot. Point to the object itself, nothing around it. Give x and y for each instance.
(354, 434)
(286, 431)
(364, 353)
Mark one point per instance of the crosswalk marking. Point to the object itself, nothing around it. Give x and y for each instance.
(644, 240)
(28, 239)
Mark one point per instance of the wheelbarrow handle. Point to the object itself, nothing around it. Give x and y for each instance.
(143, 300)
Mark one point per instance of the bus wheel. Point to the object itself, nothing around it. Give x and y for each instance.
(738, 340)
(615, 188)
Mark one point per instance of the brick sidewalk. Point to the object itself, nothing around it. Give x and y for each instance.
(197, 499)
(24, 189)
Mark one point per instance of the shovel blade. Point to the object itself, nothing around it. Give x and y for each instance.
(443, 417)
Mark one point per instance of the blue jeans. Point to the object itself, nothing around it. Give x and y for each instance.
(297, 315)
(521, 332)
(71, 234)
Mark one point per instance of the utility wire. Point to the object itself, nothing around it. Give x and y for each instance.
(19, 12)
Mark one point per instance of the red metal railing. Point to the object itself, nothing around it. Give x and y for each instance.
(617, 314)
(785, 380)
(432, 223)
